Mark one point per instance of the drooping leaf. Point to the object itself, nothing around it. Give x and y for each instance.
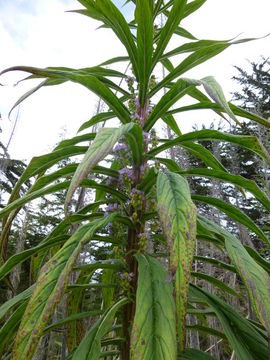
(89, 348)
(206, 104)
(9, 328)
(177, 214)
(50, 287)
(249, 142)
(169, 120)
(256, 279)
(216, 282)
(237, 180)
(91, 82)
(215, 91)
(232, 212)
(184, 33)
(153, 333)
(15, 301)
(244, 338)
(102, 145)
(192, 354)
(75, 329)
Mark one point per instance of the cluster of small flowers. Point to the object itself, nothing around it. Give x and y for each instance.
(125, 174)
(143, 239)
(136, 198)
(154, 138)
(130, 82)
(126, 279)
(127, 276)
(119, 147)
(152, 82)
(111, 208)
(109, 181)
(146, 137)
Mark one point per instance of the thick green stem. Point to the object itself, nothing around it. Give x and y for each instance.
(132, 248)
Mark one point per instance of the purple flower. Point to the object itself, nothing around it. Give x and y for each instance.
(133, 191)
(109, 181)
(127, 172)
(130, 276)
(136, 100)
(146, 135)
(122, 276)
(119, 147)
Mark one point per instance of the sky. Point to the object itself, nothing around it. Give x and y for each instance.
(42, 33)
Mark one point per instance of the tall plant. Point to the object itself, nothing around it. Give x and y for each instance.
(143, 209)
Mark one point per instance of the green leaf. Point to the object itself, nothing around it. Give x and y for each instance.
(108, 277)
(202, 153)
(249, 142)
(232, 212)
(99, 149)
(89, 81)
(116, 21)
(193, 46)
(206, 104)
(260, 260)
(153, 333)
(50, 287)
(192, 354)
(177, 214)
(97, 119)
(215, 91)
(244, 338)
(193, 6)
(256, 279)
(144, 18)
(148, 181)
(178, 90)
(75, 329)
(22, 256)
(236, 180)
(215, 262)
(169, 120)
(174, 18)
(216, 282)
(190, 62)
(16, 300)
(135, 141)
(9, 329)
(90, 347)
(41, 163)
(184, 33)
(114, 60)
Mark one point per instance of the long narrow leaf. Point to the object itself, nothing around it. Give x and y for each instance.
(153, 333)
(177, 214)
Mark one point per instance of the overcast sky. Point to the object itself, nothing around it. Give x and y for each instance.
(41, 33)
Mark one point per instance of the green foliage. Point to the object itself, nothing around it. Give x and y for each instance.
(113, 274)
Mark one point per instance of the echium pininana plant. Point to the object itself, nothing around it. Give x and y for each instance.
(136, 292)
